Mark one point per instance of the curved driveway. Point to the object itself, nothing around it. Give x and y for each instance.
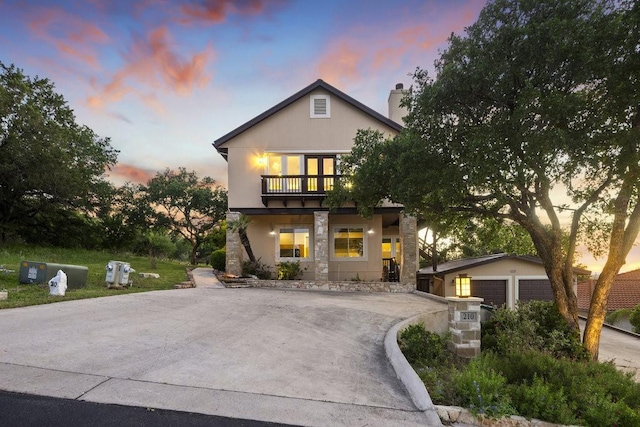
(298, 357)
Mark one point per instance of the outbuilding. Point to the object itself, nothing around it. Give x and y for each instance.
(501, 279)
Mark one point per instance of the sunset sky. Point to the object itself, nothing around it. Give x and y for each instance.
(165, 78)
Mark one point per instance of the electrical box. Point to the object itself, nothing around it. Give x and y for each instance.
(117, 273)
(41, 272)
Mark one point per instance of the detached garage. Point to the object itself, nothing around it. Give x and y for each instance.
(494, 292)
(531, 289)
(501, 279)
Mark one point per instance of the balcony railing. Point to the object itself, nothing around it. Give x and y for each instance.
(285, 187)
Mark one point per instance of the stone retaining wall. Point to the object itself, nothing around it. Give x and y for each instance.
(320, 285)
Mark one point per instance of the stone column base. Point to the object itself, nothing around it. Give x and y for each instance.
(464, 325)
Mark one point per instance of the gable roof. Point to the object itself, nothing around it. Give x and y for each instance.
(318, 84)
(625, 291)
(461, 264)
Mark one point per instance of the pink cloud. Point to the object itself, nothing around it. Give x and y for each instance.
(125, 172)
(366, 50)
(73, 37)
(216, 11)
(342, 61)
(152, 62)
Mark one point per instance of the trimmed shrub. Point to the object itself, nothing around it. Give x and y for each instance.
(289, 270)
(423, 347)
(218, 259)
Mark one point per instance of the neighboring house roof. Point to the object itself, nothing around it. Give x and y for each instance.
(462, 264)
(625, 291)
(318, 84)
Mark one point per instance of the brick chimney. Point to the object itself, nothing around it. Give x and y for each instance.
(396, 112)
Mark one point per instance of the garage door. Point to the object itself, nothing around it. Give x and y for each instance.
(494, 292)
(535, 290)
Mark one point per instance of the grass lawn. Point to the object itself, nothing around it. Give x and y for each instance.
(19, 295)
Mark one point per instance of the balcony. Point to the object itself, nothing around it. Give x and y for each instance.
(296, 187)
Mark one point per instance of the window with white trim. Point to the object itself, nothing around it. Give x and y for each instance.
(320, 106)
(293, 243)
(349, 242)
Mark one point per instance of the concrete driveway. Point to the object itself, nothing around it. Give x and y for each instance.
(297, 357)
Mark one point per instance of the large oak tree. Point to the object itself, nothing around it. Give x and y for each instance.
(184, 203)
(48, 162)
(533, 116)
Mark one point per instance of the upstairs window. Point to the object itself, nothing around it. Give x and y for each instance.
(320, 106)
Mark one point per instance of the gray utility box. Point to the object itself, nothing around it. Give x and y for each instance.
(117, 273)
(42, 272)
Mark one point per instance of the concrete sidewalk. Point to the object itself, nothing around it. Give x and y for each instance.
(295, 357)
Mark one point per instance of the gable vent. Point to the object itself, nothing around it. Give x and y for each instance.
(320, 106)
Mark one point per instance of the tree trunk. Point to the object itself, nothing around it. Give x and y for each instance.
(194, 252)
(624, 232)
(434, 253)
(247, 244)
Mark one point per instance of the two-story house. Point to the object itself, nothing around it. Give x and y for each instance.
(281, 165)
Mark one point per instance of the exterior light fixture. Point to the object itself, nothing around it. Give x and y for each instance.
(463, 286)
(262, 161)
(272, 232)
(370, 230)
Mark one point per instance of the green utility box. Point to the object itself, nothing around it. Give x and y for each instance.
(42, 272)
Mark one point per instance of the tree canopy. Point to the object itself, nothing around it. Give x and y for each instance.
(49, 164)
(532, 117)
(189, 206)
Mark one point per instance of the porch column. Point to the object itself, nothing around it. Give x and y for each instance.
(234, 248)
(409, 242)
(321, 245)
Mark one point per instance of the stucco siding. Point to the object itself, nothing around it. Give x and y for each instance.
(263, 234)
(509, 270)
(291, 130)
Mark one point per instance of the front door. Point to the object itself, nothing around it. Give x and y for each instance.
(391, 256)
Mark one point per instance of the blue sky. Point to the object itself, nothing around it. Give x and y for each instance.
(165, 78)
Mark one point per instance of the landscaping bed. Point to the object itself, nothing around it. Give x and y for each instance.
(531, 365)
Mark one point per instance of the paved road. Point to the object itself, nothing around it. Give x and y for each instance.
(621, 348)
(295, 357)
(30, 410)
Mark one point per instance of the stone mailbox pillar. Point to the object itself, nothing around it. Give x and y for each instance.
(464, 325)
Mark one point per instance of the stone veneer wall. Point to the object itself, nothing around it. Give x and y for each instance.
(234, 247)
(325, 285)
(409, 239)
(321, 245)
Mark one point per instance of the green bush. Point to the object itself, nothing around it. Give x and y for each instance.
(420, 346)
(540, 400)
(634, 319)
(289, 270)
(589, 388)
(257, 268)
(534, 325)
(218, 259)
(482, 389)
